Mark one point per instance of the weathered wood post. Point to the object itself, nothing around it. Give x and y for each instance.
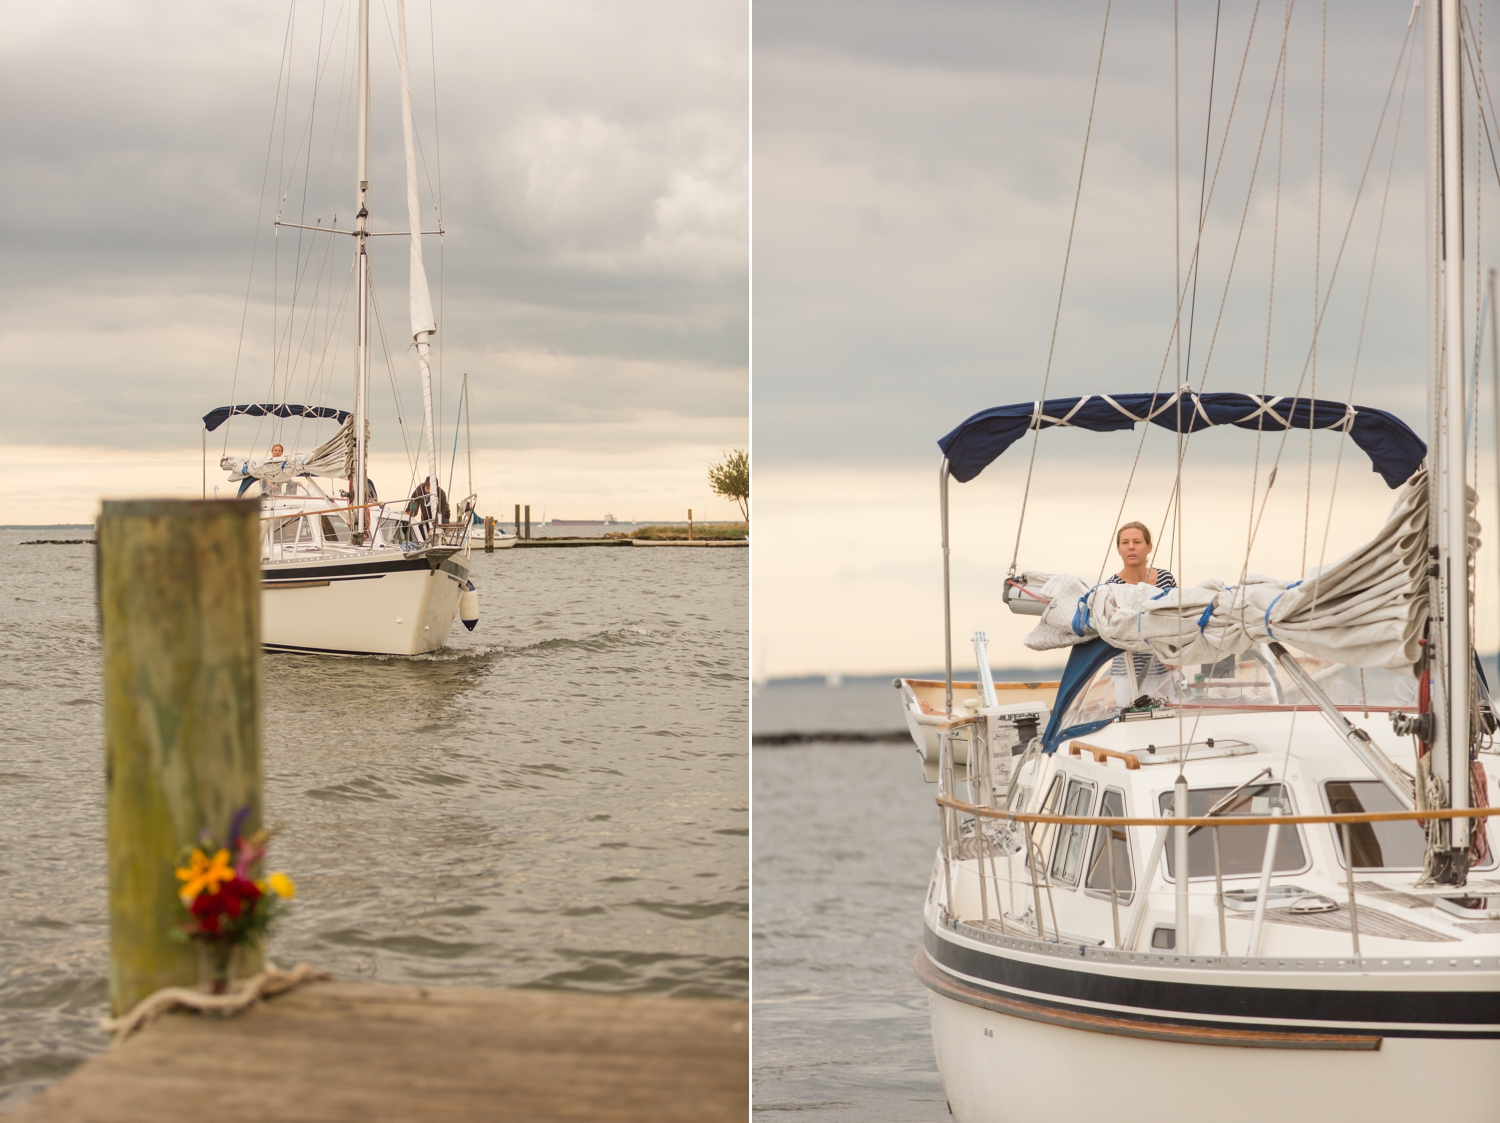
(179, 616)
(528, 521)
(489, 534)
(517, 523)
(690, 524)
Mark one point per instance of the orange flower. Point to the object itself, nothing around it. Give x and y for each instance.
(204, 876)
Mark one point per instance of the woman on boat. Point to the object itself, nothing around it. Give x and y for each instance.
(1133, 541)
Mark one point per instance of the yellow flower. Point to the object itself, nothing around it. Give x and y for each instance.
(281, 885)
(204, 876)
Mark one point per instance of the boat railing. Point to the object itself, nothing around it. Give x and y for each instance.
(393, 522)
(1037, 880)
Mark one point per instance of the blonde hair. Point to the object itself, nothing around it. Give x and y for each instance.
(1142, 527)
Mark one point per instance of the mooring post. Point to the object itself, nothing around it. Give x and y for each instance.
(690, 524)
(528, 521)
(489, 534)
(517, 524)
(179, 616)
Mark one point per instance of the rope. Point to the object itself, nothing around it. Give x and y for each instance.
(267, 984)
(1063, 283)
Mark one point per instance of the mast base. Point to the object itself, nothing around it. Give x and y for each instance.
(1447, 867)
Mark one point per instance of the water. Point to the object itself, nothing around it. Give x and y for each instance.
(867, 704)
(844, 844)
(559, 800)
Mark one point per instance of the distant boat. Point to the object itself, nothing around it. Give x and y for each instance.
(607, 520)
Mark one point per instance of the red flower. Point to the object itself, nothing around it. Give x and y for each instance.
(215, 911)
(240, 894)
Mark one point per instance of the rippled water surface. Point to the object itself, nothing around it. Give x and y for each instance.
(558, 800)
(844, 843)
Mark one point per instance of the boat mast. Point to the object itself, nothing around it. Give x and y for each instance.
(1452, 644)
(362, 349)
(422, 324)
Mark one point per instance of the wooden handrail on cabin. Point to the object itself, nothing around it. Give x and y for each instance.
(1101, 756)
(328, 511)
(975, 686)
(1216, 820)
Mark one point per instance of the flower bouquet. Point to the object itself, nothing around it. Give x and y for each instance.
(228, 907)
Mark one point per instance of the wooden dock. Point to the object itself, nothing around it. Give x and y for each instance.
(336, 1052)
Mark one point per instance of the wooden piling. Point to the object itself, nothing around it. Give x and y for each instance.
(489, 534)
(528, 520)
(690, 524)
(179, 615)
(517, 524)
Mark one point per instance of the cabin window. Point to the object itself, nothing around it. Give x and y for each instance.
(1044, 834)
(1399, 845)
(1113, 805)
(1068, 859)
(290, 531)
(1241, 849)
(335, 529)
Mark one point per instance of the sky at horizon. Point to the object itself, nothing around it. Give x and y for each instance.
(592, 162)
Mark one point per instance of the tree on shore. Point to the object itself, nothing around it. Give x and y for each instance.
(731, 480)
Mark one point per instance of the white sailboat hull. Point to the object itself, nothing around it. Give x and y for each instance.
(388, 604)
(1002, 1069)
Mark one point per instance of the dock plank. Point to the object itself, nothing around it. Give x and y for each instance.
(332, 1052)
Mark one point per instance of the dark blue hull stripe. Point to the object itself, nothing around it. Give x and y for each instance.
(313, 571)
(1391, 1013)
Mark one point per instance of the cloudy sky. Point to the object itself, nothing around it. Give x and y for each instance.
(594, 171)
(915, 168)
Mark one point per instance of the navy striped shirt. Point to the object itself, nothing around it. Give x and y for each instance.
(1146, 664)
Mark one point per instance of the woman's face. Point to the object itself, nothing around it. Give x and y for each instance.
(275, 450)
(1133, 548)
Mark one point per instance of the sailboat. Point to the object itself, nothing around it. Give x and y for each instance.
(344, 572)
(1237, 861)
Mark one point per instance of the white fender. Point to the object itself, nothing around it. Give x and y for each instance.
(468, 606)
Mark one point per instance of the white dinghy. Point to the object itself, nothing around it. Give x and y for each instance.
(343, 572)
(1237, 862)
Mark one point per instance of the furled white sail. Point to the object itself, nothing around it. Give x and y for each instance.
(1368, 609)
(422, 323)
(334, 458)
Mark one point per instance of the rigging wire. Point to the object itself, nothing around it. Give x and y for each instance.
(259, 214)
(437, 142)
(1063, 283)
(1181, 291)
(1364, 316)
(385, 348)
(1213, 71)
(1363, 322)
(1333, 275)
(1185, 440)
(1317, 274)
(1177, 535)
(1265, 365)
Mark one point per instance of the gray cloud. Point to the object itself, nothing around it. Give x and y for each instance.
(915, 167)
(595, 194)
